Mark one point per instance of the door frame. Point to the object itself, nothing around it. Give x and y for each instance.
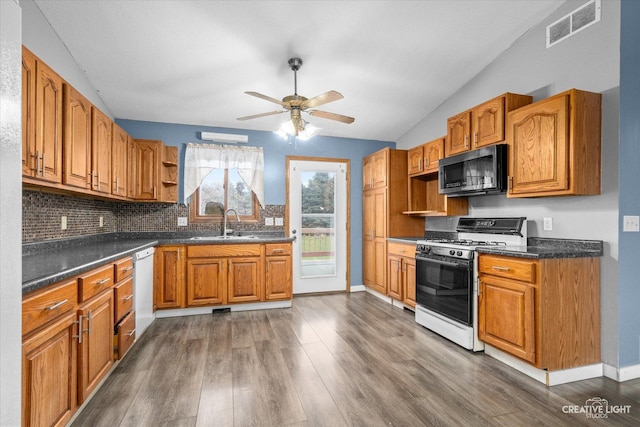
(347, 163)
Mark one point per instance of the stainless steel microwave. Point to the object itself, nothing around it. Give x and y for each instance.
(476, 172)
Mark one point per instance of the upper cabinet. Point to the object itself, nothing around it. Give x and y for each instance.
(42, 120)
(374, 170)
(77, 139)
(482, 125)
(147, 157)
(424, 158)
(119, 161)
(101, 151)
(554, 146)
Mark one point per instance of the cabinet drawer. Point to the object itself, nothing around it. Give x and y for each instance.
(41, 307)
(507, 267)
(123, 294)
(278, 249)
(123, 269)
(94, 282)
(401, 249)
(126, 334)
(203, 251)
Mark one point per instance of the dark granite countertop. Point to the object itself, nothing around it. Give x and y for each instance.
(540, 248)
(44, 263)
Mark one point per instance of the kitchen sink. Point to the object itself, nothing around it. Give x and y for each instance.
(214, 238)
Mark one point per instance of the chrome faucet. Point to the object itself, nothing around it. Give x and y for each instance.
(226, 214)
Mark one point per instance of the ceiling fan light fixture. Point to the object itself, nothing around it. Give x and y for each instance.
(301, 129)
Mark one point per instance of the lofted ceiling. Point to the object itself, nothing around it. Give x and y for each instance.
(191, 61)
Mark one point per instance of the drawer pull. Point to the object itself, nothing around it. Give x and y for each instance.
(127, 298)
(499, 268)
(128, 268)
(278, 251)
(103, 281)
(56, 305)
(131, 332)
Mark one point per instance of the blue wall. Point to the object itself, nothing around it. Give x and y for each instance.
(629, 267)
(275, 152)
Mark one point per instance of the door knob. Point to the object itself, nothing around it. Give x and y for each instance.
(293, 231)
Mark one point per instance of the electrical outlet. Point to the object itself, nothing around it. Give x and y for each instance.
(182, 221)
(63, 223)
(101, 221)
(279, 221)
(548, 224)
(268, 221)
(631, 223)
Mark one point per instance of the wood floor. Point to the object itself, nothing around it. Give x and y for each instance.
(334, 360)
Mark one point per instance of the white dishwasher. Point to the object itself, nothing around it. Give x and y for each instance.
(143, 289)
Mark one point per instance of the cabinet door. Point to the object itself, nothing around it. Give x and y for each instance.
(369, 262)
(433, 152)
(379, 266)
(49, 374)
(147, 170)
(488, 122)
(380, 169)
(119, 161)
(415, 159)
(206, 281)
(458, 131)
(367, 173)
(95, 352)
(538, 138)
(48, 123)
(409, 281)
(169, 286)
(506, 316)
(243, 279)
(77, 139)
(379, 212)
(101, 151)
(394, 276)
(28, 113)
(278, 278)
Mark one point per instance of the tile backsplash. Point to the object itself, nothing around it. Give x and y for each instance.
(42, 212)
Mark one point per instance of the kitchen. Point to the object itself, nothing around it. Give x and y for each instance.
(573, 217)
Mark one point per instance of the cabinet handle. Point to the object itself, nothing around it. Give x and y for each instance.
(154, 192)
(127, 298)
(103, 281)
(131, 332)
(510, 184)
(56, 305)
(278, 251)
(499, 268)
(37, 162)
(98, 180)
(475, 138)
(419, 164)
(88, 330)
(42, 163)
(128, 268)
(79, 322)
(466, 141)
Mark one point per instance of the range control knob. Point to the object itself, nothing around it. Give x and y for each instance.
(452, 252)
(459, 253)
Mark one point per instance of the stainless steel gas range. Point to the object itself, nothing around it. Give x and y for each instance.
(447, 276)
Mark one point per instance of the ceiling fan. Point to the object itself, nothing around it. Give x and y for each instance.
(297, 104)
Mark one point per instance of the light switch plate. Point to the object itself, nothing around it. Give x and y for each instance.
(631, 223)
(182, 221)
(279, 221)
(268, 221)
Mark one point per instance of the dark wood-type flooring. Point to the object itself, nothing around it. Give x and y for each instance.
(335, 360)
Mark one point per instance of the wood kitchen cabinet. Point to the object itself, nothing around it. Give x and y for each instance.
(244, 279)
(383, 208)
(401, 277)
(124, 314)
(543, 311)
(483, 124)
(147, 155)
(424, 198)
(554, 146)
(375, 170)
(41, 120)
(206, 281)
(77, 139)
(119, 162)
(101, 139)
(278, 271)
(169, 277)
(169, 175)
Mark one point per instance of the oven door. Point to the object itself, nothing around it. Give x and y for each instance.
(445, 285)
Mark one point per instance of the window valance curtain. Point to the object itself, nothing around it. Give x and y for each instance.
(200, 159)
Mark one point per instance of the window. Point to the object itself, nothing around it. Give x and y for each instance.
(220, 190)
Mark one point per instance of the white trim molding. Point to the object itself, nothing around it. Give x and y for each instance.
(163, 314)
(622, 374)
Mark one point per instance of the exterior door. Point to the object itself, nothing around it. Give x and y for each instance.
(318, 219)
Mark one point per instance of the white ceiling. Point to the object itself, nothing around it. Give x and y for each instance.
(191, 61)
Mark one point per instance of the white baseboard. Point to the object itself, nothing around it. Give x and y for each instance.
(549, 378)
(358, 288)
(622, 374)
(383, 297)
(162, 314)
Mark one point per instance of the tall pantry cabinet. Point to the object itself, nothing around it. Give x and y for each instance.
(384, 198)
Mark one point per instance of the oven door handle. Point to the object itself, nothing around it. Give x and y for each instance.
(437, 261)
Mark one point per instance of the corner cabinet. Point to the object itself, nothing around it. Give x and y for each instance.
(383, 204)
(554, 146)
(543, 311)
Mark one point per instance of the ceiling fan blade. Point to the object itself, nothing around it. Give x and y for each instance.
(255, 116)
(266, 98)
(332, 116)
(325, 98)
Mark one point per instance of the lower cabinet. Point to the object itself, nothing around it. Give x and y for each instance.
(206, 280)
(244, 280)
(169, 289)
(401, 272)
(543, 311)
(278, 272)
(49, 369)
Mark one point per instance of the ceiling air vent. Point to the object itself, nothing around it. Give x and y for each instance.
(574, 22)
